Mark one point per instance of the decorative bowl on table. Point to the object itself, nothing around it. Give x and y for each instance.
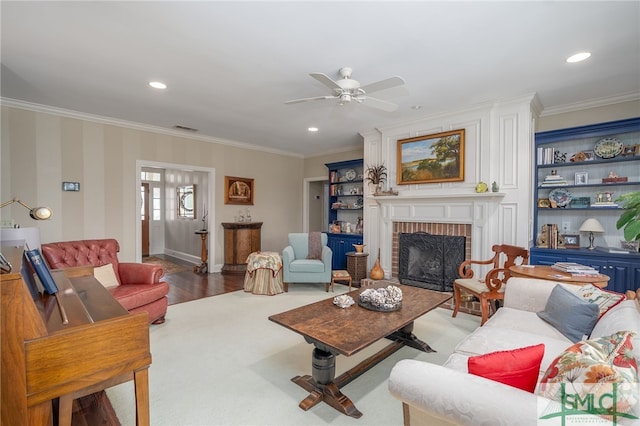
(359, 247)
(386, 299)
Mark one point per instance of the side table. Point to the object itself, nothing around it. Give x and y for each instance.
(545, 272)
(357, 266)
(264, 273)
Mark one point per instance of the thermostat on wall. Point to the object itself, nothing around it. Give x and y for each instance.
(71, 186)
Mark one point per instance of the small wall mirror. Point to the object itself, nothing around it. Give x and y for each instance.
(187, 201)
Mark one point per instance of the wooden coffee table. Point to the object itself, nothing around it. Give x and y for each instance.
(334, 331)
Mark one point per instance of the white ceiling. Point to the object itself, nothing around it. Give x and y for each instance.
(230, 66)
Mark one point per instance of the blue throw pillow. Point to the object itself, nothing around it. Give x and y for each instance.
(572, 316)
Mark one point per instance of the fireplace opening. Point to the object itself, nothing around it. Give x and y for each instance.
(430, 261)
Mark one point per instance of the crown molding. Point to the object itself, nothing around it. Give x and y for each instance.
(29, 106)
(594, 103)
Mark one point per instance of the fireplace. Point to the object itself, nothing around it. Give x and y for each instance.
(430, 261)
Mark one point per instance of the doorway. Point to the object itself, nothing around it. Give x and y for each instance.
(315, 214)
(144, 218)
(185, 230)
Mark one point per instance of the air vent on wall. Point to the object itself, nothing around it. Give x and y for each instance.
(189, 129)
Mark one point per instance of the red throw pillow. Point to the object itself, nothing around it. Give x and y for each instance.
(518, 367)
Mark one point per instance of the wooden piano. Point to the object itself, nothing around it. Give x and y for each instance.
(45, 360)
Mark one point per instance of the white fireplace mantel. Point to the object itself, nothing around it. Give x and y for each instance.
(388, 199)
(470, 208)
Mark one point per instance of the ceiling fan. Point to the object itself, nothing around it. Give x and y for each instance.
(346, 90)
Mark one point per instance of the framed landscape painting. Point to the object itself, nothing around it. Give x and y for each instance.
(238, 190)
(431, 158)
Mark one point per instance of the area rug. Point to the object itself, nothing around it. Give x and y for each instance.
(220, 361)
(169, 267)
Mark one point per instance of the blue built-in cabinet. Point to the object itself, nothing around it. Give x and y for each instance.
(345, 204)
(569, 170)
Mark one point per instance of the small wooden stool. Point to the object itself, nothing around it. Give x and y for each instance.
(340, 275)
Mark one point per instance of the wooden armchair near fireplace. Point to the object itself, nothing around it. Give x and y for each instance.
(491, 287)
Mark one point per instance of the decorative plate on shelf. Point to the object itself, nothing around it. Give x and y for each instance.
(608, 147)
(562, 197)
(350, 174)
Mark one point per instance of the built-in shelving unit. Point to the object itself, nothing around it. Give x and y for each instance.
(346, 200)
(575, 180)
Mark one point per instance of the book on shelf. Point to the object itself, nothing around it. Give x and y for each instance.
(545, 155)
(553, 180)
(553, 235)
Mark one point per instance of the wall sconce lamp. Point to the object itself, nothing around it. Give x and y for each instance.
(36, 213)
(591, 225)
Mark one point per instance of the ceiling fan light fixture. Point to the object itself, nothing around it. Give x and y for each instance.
(345, 98)
(346, 90)
(578, 57)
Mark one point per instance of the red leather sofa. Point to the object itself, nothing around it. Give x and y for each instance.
(140, 288)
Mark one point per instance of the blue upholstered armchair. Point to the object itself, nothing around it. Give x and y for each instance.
(298, 269)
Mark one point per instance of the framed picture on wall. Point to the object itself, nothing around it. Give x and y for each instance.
(238, 190)
(431, 158)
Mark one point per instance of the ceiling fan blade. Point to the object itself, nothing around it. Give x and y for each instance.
(383, 84)
(317, 98)
(380, 104)
(326, 80)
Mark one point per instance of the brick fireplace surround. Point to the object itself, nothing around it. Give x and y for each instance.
(451, 229)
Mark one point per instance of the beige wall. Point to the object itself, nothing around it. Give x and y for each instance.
(315, 166)
(40, 150)
(583, 117)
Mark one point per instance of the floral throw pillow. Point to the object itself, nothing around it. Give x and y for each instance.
(591, 367)
(603, 298)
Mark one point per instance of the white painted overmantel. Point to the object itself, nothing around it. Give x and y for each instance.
(498, 148)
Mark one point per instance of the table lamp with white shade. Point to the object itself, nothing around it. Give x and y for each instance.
(591, 225)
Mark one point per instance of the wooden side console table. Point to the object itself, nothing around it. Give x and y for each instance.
(240, 240)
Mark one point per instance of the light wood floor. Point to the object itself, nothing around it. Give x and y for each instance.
(183, 287)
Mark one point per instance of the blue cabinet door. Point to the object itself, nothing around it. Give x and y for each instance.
(340, 245)
(622, 275)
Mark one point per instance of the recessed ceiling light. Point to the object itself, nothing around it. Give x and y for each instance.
(578, 57)
(312, 129)
(157, 85)
(416, 107)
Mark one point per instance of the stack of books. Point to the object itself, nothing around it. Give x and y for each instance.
(575, 269)
(553, 180)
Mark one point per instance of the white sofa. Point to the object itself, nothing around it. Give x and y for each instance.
(432, 394)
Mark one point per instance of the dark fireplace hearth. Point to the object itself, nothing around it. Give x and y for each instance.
(430, 261)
